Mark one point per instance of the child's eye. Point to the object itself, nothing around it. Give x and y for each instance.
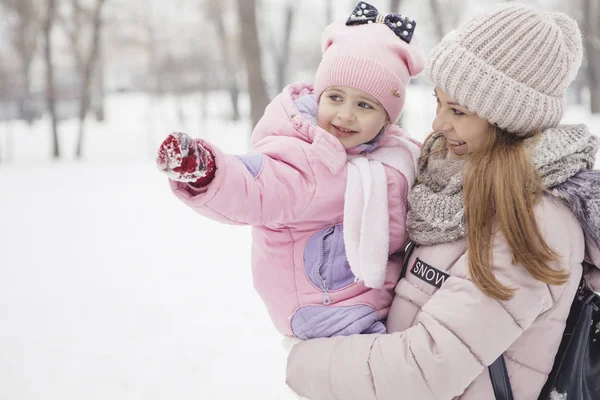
(458, 113)
(335, 97)
(364, 105)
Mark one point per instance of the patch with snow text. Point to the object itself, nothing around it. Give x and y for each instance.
(428, 273)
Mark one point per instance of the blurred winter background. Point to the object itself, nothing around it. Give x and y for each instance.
(109, 287)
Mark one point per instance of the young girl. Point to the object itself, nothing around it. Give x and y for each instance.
(325, 183)
(503, 212)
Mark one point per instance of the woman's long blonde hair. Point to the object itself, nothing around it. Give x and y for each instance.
(501, 186)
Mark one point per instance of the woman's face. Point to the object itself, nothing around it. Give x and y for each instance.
(465, 132)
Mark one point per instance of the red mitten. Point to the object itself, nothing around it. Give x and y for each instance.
(185, 159)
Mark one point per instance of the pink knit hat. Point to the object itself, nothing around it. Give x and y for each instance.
(372, 58)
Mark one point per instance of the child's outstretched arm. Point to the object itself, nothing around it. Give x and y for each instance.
(254, 189)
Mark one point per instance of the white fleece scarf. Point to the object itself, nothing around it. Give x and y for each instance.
(366, 215)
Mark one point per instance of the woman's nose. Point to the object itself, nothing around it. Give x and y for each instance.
(440, 125)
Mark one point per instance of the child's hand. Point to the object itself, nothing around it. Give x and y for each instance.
(185, 159)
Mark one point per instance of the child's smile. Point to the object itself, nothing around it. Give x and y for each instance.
(343, 132)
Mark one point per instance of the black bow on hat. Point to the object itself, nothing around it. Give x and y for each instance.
(364, 13)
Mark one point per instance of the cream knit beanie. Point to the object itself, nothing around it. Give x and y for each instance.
(511, 66)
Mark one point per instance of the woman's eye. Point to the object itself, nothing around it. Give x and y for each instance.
(362, 104)
(458, 113)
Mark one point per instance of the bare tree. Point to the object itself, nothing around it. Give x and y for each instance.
(591, 34)
(24, 21)
(282, 56)
(394, 6)
(217, 10)
(86, 55)
(329, 11)
(251, 49)
(438, 20)
(48, 58)
(152, 47)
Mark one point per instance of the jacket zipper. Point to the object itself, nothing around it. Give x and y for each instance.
(326, 298)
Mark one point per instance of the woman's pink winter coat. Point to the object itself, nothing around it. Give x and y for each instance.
(447, 331)
(291, 188)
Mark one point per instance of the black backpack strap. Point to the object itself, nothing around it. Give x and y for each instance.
(407, 254)
(500, 380)
(498, 372)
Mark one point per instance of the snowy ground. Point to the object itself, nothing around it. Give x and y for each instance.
(112, 289)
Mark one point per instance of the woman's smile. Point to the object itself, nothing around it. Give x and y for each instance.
(459, 147)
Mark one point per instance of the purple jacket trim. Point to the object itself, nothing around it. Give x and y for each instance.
(325, 259)
(311, 322)
(308, 107)
(253, 162)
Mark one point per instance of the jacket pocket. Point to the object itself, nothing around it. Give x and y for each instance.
(325, 261)
(315, 321)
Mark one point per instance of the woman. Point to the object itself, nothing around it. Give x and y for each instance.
(498, 249)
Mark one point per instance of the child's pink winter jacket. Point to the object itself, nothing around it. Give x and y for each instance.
(290, 187)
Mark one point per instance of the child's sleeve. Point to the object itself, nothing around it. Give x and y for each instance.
(271, 187)
(398, 188)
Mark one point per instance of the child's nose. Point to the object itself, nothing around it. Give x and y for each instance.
(346, 114)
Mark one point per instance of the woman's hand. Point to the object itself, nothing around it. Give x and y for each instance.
(332, 368)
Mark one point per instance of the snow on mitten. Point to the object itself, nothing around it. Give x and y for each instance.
(185, 159)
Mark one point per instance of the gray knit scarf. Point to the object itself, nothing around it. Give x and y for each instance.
(563, 156)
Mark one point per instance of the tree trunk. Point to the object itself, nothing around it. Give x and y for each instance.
(594, 73)
(50, 92)
(230, 68)
(25, 101)
(10, 142)
(395, 6)
(26, 51)
(90, 63)
(329, 11)
(438, 21)
(284, 55)
(204, 99)
(24, 26)
(592, 48)
(251, 48)
(100, 111)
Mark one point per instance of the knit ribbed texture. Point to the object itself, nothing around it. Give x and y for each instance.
(436, 204)
(370, 58)
(511, 66)
(366, 75)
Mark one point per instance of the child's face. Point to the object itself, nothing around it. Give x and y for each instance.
(351, 115)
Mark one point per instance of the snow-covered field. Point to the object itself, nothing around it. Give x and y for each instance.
(110, 288)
